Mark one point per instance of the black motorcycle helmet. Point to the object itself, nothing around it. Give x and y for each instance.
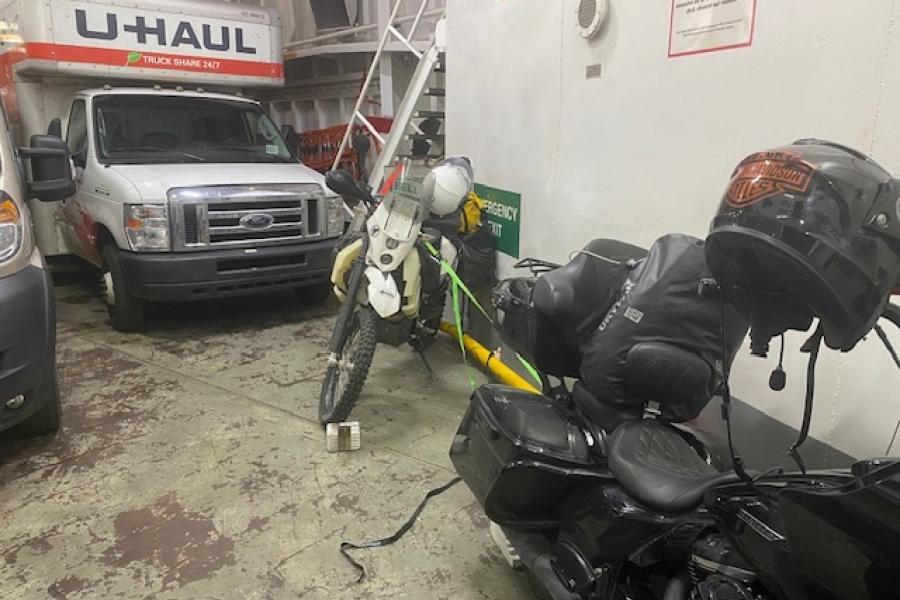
(808, 230)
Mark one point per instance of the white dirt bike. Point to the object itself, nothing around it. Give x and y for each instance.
(387, 275)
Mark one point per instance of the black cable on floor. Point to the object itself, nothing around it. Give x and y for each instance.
(345, 546)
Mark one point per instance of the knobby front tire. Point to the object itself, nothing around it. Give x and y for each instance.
(344, 381)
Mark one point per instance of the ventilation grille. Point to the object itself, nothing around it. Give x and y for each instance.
(587, 10)
(591, 15)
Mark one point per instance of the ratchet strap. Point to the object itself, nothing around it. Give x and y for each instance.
(345, 546)
(531, 370)
(457, 284)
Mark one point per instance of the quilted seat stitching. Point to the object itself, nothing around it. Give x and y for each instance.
(657, 448)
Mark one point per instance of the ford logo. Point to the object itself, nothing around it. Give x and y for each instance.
(257, 221)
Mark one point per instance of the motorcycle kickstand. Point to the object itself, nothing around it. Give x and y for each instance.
(428, 368)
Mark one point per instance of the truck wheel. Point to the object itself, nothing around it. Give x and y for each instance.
(45, 421)
(125, 310)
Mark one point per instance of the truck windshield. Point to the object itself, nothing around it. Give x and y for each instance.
(144, 129)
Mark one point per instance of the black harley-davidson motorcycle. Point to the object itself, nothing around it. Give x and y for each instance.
(603, 491)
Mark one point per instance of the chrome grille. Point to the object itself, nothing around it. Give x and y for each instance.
(245, 216)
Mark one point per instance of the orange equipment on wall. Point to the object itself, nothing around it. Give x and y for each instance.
(318, 148)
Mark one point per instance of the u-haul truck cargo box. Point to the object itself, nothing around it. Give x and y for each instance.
(181, 193)
(163, 40)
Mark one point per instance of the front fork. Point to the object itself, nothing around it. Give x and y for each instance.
(339, 334)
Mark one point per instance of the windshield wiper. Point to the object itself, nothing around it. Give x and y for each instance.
(256, 151)
(166, 150)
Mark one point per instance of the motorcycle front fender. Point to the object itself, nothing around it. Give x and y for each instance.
(383, 294)
(357, 269)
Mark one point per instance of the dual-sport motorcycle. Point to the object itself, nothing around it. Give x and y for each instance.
(603, 492)
(387, 272)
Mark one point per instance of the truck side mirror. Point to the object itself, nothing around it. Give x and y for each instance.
(55, 128)
(50, 168)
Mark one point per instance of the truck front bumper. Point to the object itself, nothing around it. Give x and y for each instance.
(27, 344)
(180, 276)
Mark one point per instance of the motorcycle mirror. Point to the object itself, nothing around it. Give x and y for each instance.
(341, 182)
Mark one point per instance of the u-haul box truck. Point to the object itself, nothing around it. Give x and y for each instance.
(182, 193)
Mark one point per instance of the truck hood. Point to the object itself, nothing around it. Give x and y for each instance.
(154, 181)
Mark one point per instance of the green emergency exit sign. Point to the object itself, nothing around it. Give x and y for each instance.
(503, 210)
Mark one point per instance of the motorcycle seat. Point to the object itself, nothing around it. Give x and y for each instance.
(657, 466)
(573, 291)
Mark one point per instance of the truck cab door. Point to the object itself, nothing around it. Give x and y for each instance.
(80, 230)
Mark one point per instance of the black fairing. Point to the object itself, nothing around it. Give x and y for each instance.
(825, 539)
(572, 567)
(608, 526)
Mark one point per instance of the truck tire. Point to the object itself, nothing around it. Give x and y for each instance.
(45, 421)
(126, 311)
(344, 381)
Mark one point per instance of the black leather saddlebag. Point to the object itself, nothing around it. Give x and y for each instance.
(521, 455)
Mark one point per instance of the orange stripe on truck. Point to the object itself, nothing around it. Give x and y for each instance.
(151, 60)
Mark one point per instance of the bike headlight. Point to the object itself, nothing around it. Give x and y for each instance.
(10, 227)
(147, 226)
(334, 220)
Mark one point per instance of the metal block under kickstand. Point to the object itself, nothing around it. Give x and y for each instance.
(342, 436)
(506, 549)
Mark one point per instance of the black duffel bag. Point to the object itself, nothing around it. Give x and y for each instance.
(477, 265)
(660, 302)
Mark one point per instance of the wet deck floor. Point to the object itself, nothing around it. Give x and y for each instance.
(190, 465)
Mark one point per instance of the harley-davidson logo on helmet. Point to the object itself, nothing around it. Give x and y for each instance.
(766, 174)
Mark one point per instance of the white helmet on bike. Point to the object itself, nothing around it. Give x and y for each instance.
(447, 186)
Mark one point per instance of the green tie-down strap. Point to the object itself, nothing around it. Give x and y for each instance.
(457, 284)
(456, 280)
(531, 370)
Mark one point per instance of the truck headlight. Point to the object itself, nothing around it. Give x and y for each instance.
(147, 226)
(335, 220)
(10, 227)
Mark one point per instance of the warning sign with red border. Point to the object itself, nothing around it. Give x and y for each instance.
(698, 26)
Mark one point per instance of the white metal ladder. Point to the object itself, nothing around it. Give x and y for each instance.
(404, 113)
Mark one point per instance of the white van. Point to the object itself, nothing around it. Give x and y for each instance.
(182, 194)
(29, 389)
